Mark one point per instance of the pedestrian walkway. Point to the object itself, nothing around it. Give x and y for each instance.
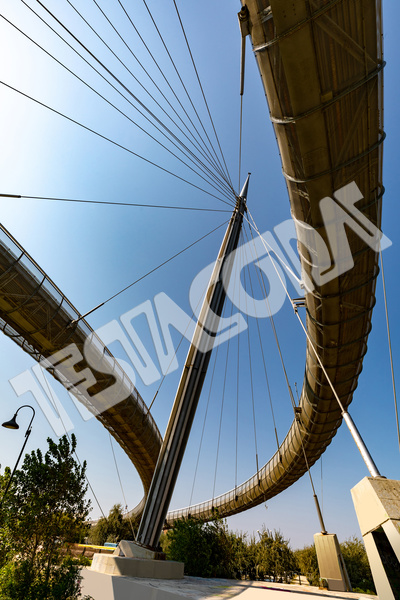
(109, 587)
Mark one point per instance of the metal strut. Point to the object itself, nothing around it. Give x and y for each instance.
(190, 385)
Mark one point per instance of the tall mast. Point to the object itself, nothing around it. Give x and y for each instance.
(190, 385)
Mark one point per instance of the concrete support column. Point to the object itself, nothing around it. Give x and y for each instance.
(377, 504)
(190, 385)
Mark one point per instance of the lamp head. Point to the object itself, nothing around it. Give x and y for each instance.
(12, 423)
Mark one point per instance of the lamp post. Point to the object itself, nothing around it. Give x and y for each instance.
(12, 424)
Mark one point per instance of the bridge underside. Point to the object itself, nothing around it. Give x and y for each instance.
(321, 65)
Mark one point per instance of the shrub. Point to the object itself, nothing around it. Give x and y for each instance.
(44, 509)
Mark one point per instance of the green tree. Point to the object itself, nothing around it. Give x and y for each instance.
(252, 570)
(210, 550)
(187, 543)
(276, 558)
(114, 528)
(207, 549)
(308, 563)
(44, 509)
(241, 554)
(356, 560)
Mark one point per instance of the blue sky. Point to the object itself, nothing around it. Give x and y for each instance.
(93, 251)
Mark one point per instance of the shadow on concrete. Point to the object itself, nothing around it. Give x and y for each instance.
(304, 592)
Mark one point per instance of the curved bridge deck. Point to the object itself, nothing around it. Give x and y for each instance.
(36, 315)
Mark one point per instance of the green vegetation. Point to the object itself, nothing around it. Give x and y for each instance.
(210, 550)
(308, 564)
(113, 528)
(45, 508)
(355, 557)
(276, 559)
(205, 548)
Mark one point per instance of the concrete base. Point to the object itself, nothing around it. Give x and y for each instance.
(137, 567)
(330, 562)
(135, 550)
(108, 587)
(377, 504)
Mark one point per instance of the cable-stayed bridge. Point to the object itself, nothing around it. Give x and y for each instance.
(322, 68)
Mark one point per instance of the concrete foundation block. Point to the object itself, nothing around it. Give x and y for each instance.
(134, 550)
(113, 587)
(137, 567)
(330, 562)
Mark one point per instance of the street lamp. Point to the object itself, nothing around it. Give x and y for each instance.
(12, 424)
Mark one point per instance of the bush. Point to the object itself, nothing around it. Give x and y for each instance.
(114, 528)
(205, 548)
(275, 558)
(44, 509)
(356, 560)
(18, 581)
(308, 564)
(210, 550)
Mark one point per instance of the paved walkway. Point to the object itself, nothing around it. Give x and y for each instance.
(197, 588)
(108, 587)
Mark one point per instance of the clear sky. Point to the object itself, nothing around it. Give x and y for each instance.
(92, 251)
